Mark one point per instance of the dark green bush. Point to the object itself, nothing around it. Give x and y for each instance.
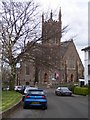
(81, 90)
(71, 87)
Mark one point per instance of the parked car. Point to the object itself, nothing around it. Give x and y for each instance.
(5, 88)
(29, 88)
(63, 91)
(18, 89)
(35, 98)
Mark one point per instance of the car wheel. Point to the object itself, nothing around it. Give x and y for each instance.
(60, 94)
(56, 93)
(24, 106)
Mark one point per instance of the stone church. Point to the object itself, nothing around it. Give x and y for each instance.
(54, 61)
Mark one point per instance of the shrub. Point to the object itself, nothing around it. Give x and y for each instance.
(81, 90)
(89, 90)
(71, 87)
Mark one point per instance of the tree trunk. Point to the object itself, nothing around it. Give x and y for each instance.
(12, 77)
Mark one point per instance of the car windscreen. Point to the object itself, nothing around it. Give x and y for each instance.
(35, 92)
(65, 89)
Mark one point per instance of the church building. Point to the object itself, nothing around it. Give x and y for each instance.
(54, 60)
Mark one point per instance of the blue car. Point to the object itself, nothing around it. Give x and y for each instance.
(35, 98)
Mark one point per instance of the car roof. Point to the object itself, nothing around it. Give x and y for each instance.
(62, 87)
(37, 89)
(18, 86)
(28, 88)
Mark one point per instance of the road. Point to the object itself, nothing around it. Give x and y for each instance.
(58, 107)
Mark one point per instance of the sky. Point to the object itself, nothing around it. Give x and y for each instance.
(74, 14)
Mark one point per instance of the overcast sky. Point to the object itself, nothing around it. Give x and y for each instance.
(74, 14)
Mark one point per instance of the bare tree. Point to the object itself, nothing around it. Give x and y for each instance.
(18, 25)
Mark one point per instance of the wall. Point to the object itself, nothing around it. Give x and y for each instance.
(86, 67)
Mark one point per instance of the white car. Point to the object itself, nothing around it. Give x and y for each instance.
(18, 88)
(29, 88)
(5, 88)
(26, 91)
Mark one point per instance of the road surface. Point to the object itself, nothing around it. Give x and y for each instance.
(58, 107)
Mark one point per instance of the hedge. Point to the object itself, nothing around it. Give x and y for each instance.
(81, 90)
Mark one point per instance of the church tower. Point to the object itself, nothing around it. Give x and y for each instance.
(51, 30)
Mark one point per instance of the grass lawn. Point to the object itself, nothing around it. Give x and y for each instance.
(9, 98)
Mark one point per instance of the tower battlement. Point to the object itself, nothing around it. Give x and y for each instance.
(51, 30)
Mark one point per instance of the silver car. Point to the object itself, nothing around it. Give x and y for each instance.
(63, 91)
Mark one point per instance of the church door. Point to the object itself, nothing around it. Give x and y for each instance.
(71, 77)
(45, 77)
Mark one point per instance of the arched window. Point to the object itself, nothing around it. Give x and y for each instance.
(45, 77)
(72, 77)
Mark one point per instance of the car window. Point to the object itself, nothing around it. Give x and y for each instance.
(35, 92)
(64, 88)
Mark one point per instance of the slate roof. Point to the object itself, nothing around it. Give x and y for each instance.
(64, 47)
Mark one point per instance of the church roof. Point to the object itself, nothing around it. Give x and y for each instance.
(64, 46)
